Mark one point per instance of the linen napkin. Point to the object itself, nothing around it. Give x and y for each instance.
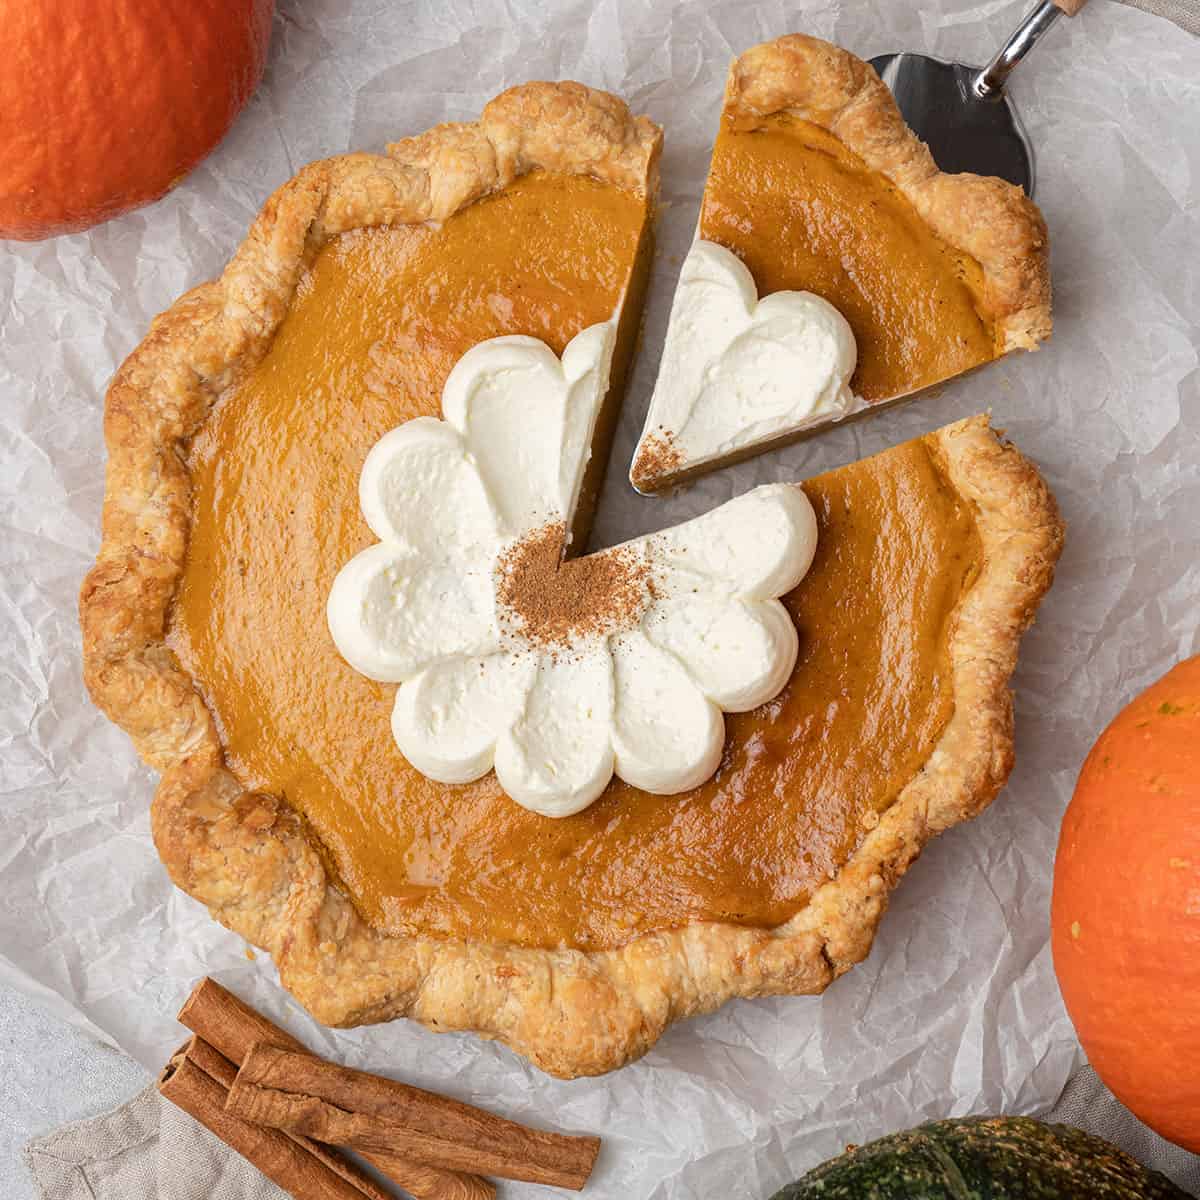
(1087, 1104)
(147, 1149)
(1185, 13)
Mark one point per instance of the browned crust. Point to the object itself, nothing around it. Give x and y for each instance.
(246, 856)
(987, 218)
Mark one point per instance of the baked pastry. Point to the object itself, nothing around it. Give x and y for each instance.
(835, 268)
(236, 434)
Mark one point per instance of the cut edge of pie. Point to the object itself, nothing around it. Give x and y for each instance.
(248, 857)
(988, 219)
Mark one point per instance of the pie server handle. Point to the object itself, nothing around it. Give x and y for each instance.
(989, 83)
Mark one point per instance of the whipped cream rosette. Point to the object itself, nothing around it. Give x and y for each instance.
(557, 673)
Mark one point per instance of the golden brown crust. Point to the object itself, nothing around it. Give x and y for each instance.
(987, 218)
(247, 857)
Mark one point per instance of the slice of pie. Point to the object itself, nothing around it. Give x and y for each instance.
(835, 268)
(237, 433)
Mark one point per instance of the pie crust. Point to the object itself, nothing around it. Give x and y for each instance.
(247, 857)
(987, 218)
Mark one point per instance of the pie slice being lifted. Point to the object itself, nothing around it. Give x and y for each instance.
(818, 187)
(237, 432)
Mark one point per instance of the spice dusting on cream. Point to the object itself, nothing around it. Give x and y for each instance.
(657, 459)
(556, 674)
(556, 602)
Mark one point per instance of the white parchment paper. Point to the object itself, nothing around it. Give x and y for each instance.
(956, 1010)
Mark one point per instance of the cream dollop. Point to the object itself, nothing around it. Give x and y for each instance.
(737, 372)
(638, 691)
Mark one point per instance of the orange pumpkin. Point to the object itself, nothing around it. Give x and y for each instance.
(105, 106)
(1126, 911)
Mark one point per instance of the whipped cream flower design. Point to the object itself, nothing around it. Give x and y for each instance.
(738, 372)
(556, 674)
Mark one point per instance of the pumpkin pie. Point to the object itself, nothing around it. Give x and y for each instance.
(237, 432)
(835, 269)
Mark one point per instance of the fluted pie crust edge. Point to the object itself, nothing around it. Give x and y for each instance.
(247, 857)
(989, 219)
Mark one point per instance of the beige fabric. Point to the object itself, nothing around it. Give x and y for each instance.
(140, 1150)
(1088, 1104)
(1185, 13)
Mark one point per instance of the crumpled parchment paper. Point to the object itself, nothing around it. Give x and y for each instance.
(957, 1010)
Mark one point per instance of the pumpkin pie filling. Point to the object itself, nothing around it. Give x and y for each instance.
(381, 317)
(804, 213)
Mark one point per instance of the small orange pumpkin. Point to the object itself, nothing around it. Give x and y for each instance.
(1126, 911)
(104, 107)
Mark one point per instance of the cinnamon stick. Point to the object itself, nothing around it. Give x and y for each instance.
(368, 1113)
(278, 1157)
(232, 1027)
(210, 1060)
(218, 1068)
(229, 1024)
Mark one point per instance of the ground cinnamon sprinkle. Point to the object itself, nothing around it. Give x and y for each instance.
(556, 602)
(659, 456)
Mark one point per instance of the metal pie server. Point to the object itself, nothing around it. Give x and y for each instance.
(962, 113)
